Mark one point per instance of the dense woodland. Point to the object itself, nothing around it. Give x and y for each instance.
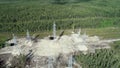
(39, 15)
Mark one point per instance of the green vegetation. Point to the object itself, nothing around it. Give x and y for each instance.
(102, 58)
(38, 15)
(96, 17)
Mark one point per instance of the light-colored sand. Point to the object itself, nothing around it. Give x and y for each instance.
(65, 45)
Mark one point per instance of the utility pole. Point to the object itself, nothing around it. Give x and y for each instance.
(27, 35)
(70, 61)
(50, 62)
(14, 39)
(54, 30)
